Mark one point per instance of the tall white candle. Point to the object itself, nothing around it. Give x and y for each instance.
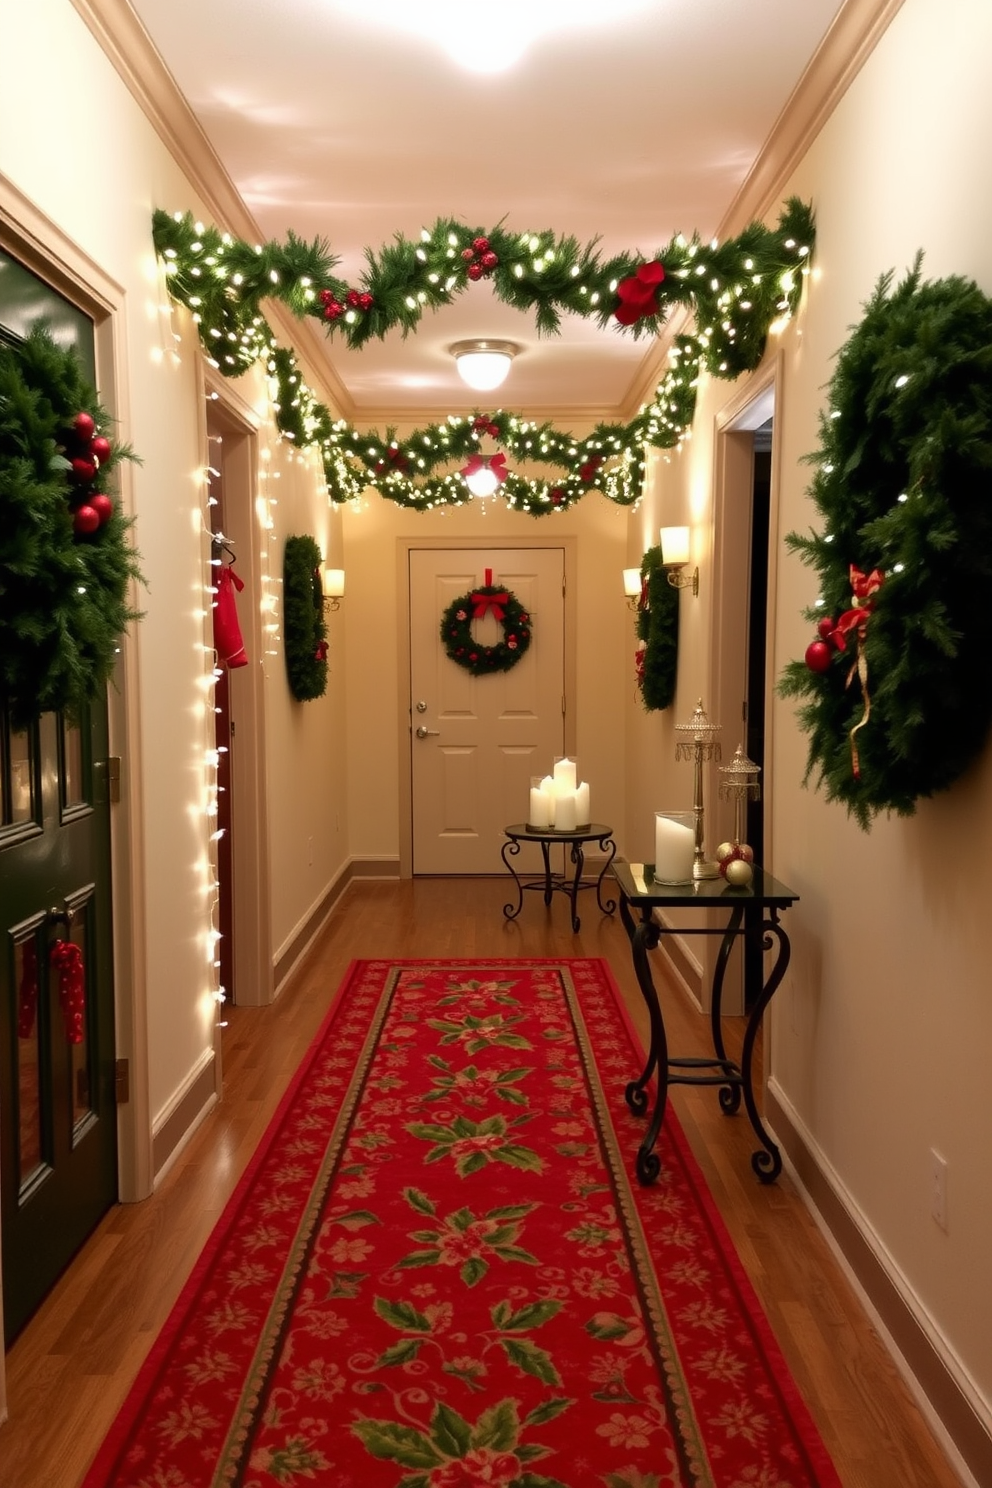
(540, 808)
(674, 846)
(564, 775)
(582, 807)
(548, 787)
(565, 817)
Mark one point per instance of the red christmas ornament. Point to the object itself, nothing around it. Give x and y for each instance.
(100, 448)
(365, 301)
(103, 506)
(480, 245)
(84, 426)
(468, 254)
(489, 261)
(352, 297)
(825, 628)
(818, 656)
(85, 520)
(333, 310)
(83, 470)
(475, 271)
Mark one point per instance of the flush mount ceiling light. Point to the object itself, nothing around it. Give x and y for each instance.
(468, 35)
(483, 365)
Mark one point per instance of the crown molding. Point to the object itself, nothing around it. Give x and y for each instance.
(133, 54)
(853, 35)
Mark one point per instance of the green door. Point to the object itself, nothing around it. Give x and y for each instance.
(58, 1120)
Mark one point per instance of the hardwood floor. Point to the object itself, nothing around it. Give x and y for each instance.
(71, 1368)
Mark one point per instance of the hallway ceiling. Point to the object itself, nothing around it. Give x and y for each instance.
(630, 128)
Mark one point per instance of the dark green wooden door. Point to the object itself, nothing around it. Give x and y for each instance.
(58, 1120)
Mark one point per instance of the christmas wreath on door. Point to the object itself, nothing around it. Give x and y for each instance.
(462, 646)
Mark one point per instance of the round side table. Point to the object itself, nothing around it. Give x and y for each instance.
(550, 882)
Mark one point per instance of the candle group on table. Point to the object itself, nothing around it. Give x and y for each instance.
(674, 846)
(558, 802)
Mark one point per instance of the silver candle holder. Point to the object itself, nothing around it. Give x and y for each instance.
(697, 741)
(740, 785)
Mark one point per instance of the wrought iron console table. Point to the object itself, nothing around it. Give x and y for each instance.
(639, 893)
(550, 882)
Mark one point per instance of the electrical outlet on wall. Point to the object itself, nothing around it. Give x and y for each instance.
(938, 1188)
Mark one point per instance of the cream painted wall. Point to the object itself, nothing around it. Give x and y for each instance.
(881, 1033)
(97, 169)
(373, 532)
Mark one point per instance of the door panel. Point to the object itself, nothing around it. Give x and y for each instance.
(471, 778)
(58, 1117)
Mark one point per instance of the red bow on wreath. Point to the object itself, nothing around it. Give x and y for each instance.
(483, 602)
(863, 587)
(496, 463)
(638, 295)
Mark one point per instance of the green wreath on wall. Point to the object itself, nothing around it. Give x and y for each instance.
(304, 630)
(456, 629)
(66, 561)
(658, 628)
(897, 684)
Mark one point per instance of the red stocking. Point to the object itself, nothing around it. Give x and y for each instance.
(227, 632)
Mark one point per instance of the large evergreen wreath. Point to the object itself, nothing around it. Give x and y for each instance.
(658, 628)
(904, 473)
(304, 630)
(66, 562)
(456, 629)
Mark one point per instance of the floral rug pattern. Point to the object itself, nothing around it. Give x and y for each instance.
(436, 1272)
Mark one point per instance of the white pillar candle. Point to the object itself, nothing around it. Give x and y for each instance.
(564, 775)
(674, 846)
(548, 787)
(565, 816)
(582, 807)
(540, 808)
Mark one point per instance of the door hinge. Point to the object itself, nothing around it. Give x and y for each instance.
(114, 779)
(563, 705)
(122, 1081)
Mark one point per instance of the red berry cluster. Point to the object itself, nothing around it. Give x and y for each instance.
(587, 472)
(480, 258)
(484, 425)
(86, 451)
(334, 309)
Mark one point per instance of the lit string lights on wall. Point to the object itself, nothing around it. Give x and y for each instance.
(738, 291)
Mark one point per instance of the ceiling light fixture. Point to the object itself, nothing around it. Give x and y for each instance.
(483, 365)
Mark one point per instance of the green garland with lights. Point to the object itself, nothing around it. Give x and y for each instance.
(63, 589)
(461, 646)
(901, 701)
(735, 289)
(304, 630)
(658, 628)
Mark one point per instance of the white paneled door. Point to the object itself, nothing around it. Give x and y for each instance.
(482, 738)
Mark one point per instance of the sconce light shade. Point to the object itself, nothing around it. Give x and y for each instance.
(632, 583)
(332, 585)
(483, 365)
(674, 546)
(675, 556)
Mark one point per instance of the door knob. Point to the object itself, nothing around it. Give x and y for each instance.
(426, 733)
(421, 706)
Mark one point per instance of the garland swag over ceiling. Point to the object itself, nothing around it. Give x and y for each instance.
(735, 290)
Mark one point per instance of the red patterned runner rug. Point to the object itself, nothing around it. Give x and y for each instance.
(436, 1272)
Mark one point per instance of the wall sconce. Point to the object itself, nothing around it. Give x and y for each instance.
(675, 557)
(632, 587)
(332, 585)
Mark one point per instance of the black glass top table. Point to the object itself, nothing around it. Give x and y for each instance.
(550, 882)
(752, 911)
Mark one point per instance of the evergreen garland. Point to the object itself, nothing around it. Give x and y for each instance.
(902, 482)
(736, 289)
(63, 594)
(658, 628)
(304, 630)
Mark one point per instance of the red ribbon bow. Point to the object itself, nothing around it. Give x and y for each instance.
(496, 463)
(864, 587)
(489, 601)
(638, 295)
